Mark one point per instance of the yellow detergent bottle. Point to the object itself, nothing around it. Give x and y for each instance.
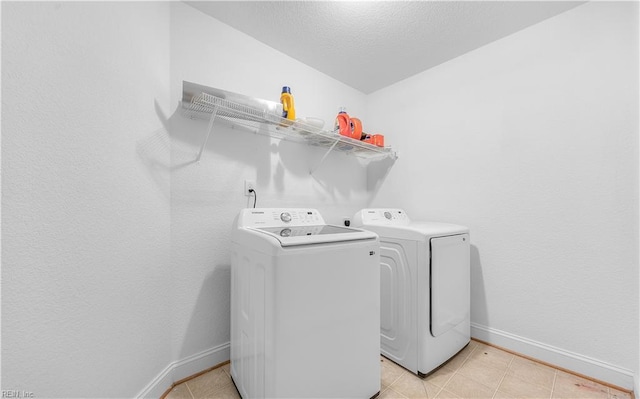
(288, 108)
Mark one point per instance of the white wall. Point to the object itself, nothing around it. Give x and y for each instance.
(532, 141)
(206, 196)
(85, 197)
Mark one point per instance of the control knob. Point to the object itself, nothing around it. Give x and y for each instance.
(285, 232)
(285, 217)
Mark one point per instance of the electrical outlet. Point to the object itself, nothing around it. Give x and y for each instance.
(249, 185)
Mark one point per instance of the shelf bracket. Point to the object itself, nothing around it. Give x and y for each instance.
(214, 112)
(324, 157)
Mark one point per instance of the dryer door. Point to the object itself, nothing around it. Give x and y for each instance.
(450, 282)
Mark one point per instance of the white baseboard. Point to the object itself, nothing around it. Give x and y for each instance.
(184, 368)
(575, 362)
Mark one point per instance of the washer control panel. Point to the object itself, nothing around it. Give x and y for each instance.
(278, 217)
(381, 216)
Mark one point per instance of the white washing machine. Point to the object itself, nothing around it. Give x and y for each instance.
(425, 288)
(305, 307)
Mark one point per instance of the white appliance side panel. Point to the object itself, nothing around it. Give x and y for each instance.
(398, 283)
(450, 282)
(234, 315)
(248, 302)
(326, 325)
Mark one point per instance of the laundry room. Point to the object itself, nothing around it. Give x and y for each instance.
(517, 120)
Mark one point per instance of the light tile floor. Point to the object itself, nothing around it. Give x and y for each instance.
(478, 371)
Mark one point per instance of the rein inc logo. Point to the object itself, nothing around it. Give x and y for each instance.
(16, 393)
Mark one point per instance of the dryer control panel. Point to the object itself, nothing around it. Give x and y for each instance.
(279, 217)
(382, 217)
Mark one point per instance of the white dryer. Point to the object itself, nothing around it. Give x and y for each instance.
(305, 307)
(424, 286)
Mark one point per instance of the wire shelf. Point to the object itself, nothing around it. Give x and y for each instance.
(264, 121)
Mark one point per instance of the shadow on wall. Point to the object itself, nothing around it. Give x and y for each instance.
(181, 137)
(479, 312)
(154, 152)
(377, 173)
(337, 174)
(210, 315)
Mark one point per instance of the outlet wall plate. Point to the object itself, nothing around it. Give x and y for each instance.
(249, 185)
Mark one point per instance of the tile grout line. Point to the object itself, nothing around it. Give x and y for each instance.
(396, 380)
(189, 390)
(553, 385)
(390, 388)
(503, 376)
(446, 382)
(437, 393)
(456, 370)
(392, 382)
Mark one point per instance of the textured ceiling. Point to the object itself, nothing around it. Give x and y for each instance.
(372, 44)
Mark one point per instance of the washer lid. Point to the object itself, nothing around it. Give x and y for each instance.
(309, 235)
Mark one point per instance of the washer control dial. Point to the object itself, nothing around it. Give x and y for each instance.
(285, 217)
(285, 232)
(387, 215)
